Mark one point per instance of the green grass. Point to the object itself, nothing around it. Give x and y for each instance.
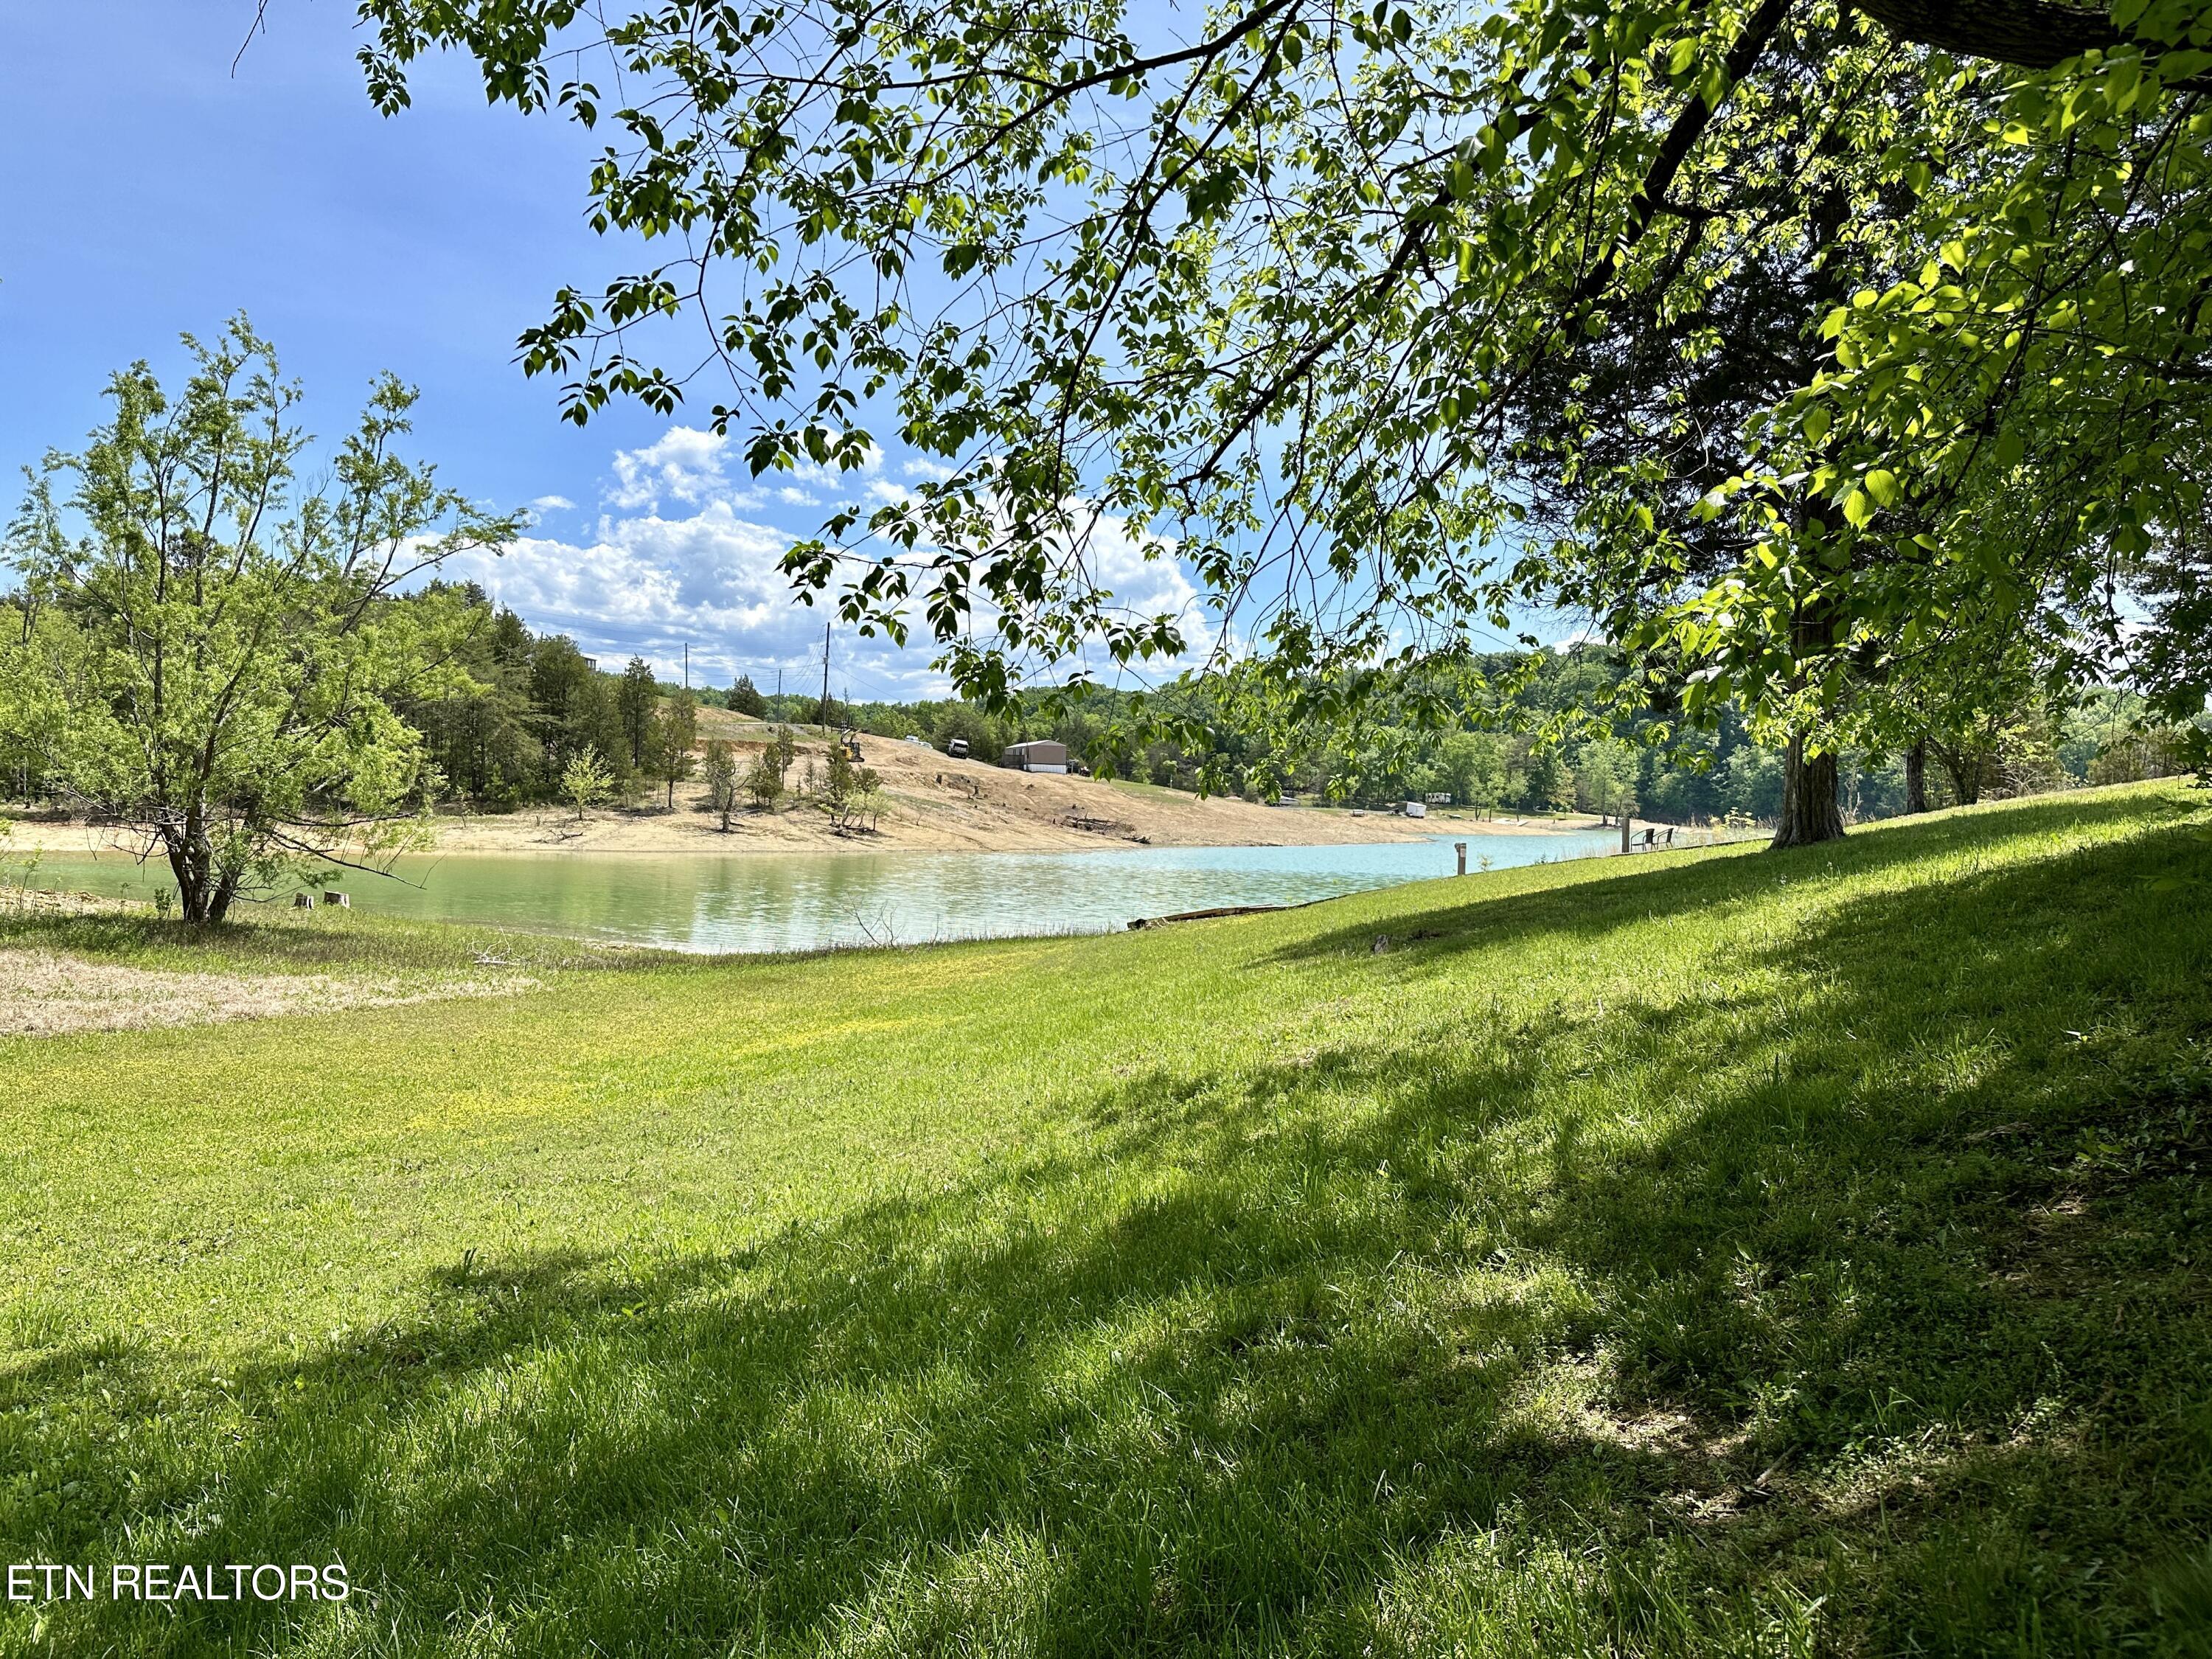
(1154, 791)
(1722, 1253)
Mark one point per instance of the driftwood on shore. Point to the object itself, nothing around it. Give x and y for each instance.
(1143, 922)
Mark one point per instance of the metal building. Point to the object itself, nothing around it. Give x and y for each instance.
(1042, 756)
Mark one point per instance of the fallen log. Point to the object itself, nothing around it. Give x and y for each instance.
(1143, 922)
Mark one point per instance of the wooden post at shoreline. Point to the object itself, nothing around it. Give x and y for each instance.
(1460, 847)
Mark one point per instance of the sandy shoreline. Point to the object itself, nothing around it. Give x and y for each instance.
(931, 803)
(547, 832)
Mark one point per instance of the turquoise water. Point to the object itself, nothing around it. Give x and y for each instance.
(762, 902)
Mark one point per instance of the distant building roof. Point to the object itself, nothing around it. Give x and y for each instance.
(1039, 755)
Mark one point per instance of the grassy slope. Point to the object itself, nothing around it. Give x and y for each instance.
(1723, 1252)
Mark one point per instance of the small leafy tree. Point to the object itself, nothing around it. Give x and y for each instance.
(586, 781)
(722, 779)
(211, 653)
(15, 874)
(764, 784)
(764, 781)
(675, 728)
(839, 785)
(868, 795)
(849, 792)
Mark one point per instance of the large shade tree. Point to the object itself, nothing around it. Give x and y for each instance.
(1342, 303)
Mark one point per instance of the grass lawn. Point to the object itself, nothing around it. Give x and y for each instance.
(1156, 791)
(1708, 1252)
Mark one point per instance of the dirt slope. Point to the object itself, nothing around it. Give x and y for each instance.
(931, 803)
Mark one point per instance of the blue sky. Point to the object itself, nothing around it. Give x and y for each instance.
(151, 188)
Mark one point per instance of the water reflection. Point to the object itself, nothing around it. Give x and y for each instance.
(753, 902)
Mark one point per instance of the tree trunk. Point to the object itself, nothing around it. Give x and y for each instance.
(191, 861)
(1964, 765)
(2032, 33)
(1809, 814)
(204, 888)
(190, 902)
(1916, 777)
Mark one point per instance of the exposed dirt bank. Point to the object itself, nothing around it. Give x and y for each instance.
(930, 804)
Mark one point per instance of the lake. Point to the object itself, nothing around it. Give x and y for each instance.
(759, 902)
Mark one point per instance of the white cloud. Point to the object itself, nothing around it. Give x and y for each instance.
(685, 465)
(1147, 580)
(545, 504)
(681, 553)
(690, 467)
(647, 585)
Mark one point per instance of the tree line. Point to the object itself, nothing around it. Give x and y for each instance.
(526, 707)
(1539, 751)
(534, 701)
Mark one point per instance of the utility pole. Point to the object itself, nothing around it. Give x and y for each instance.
(825, 710)
(687, 665)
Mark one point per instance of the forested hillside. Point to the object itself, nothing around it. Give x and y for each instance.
(537, 702)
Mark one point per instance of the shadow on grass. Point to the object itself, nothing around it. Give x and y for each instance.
(1655, 886)
(1873, 1273)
